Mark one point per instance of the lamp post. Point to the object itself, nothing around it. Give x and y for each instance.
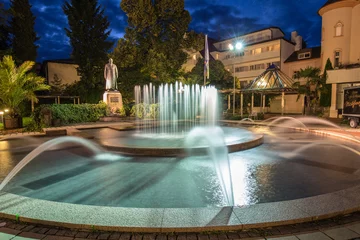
(238, 46)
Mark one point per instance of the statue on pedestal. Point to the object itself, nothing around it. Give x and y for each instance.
(110, 75)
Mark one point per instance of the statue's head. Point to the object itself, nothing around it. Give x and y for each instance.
(110, 61)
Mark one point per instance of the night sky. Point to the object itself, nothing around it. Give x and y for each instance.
(220, 19)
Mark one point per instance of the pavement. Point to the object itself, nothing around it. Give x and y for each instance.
(344, 227)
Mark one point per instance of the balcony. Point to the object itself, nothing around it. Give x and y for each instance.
(251, 58)
(344, 74)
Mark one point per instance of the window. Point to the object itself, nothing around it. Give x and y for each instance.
(277, 47)
(304, 55)
(339, 29)
(242, 69)
(337, 56)
(217, 56)
(257, 67)
(265, 49)
(258, 51)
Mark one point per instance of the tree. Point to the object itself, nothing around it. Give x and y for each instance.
(157, 35)
(312, 87)
(4, 32)
(17, 84)
(218, 77)
(88, 33)
(325, 100)
(22, 31)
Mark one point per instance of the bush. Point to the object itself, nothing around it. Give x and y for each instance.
(143, 111)
(69, 113)
(260, 116)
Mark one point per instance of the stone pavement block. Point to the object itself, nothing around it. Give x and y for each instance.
(355, 228)
(104, 236)
(161, 237)
(313, 236)
(115, 236)
(28, 228)
(42, 230)
(57, 238)
(31, 235)
(125, 236)
(82, 234)
(340, 233)
(284, 238)
(52, 231)
(93, 235)
(5, 236)
(9, 231)
(149, 236)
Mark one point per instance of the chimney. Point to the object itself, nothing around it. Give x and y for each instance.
(294, 34)
(298, 43)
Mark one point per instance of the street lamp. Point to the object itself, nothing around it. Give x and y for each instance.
(238, 46)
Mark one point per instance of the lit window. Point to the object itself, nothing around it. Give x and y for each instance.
(338, 29)
(194, 56)
(217, 56)
(304, 55)
(258, 51)
(337, 58)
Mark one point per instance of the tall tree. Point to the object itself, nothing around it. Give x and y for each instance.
(219, 76)
(22, 31)
(325, 99)
(88, 33)
(158, 31)
(4, 31)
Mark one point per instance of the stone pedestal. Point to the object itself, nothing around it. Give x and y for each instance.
(113, 99)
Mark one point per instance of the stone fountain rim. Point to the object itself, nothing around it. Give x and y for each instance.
(77, 216)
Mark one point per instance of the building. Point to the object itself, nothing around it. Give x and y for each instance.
(60, 72)
(341, 44)
(301, 59)
(258, 50)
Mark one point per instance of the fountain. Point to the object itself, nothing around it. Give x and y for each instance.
(178, 163)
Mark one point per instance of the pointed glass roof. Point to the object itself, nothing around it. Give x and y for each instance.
(272, 80)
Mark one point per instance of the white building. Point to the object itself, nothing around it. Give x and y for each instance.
(258, 51)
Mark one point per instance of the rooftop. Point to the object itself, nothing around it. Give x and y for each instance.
(315, 52)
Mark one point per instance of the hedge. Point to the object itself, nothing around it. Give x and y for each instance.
(70, 113)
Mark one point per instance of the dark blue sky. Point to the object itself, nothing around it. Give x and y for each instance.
(220, 19)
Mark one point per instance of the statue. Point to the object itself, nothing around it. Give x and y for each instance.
(110, 75)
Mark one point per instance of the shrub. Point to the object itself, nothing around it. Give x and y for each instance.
(69, 113)
(143, 111)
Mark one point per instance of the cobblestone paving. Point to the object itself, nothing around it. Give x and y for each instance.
(344, 227)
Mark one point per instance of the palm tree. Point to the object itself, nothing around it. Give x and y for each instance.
(313, 86)
(17, 84)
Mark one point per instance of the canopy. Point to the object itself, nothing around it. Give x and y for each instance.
(273, 80)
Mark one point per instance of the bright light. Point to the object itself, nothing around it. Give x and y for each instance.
(6, 110)
(1, 113)
(231, 47)
(239, 45)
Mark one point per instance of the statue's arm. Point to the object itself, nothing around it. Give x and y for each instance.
(116, 72)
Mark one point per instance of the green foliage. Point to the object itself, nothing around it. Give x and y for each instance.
(152, 49)
(260, 116)
(88, 27)
(325, 99)
(121, 112)
(17, 218)
(22, 30)
(313, 85)
(218, 77)
(4, 31)
(17, 84)
(70, 113)
(144, 111)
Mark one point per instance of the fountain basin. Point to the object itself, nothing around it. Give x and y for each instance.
(134, 143)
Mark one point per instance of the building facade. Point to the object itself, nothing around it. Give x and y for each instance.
(256, 52)
(341, 44)
(62, 72)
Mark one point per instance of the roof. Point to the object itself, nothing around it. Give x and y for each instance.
(330, 2)
(260, 30)
(272, 80)
(268, 40)
(315, 53)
